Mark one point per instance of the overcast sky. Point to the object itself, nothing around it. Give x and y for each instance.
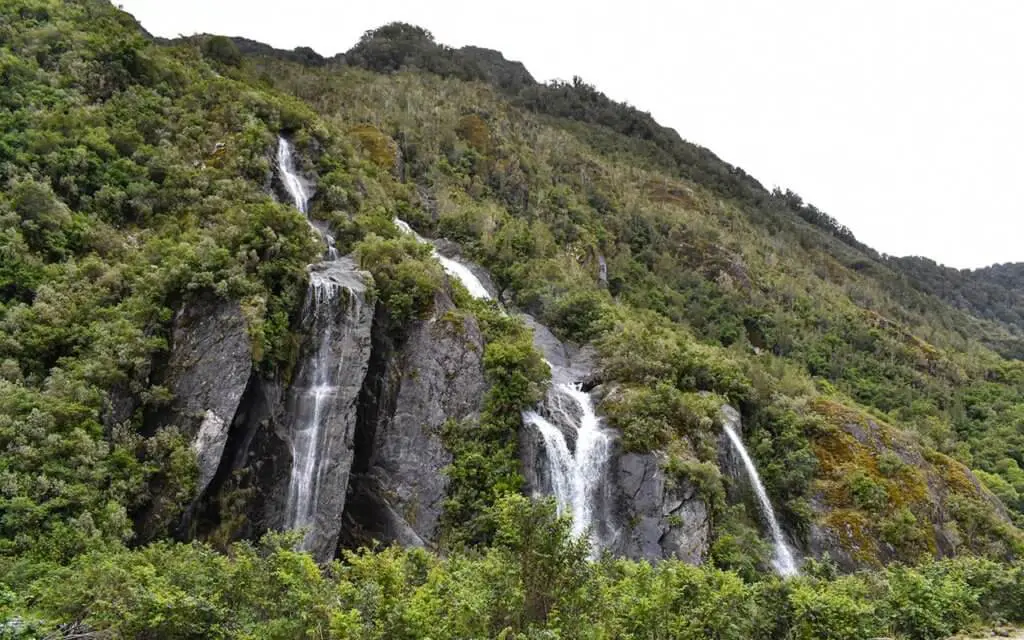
(903, 119)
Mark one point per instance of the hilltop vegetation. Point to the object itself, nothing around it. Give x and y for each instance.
(137, 176)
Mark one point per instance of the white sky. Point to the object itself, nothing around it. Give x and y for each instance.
(903, 119)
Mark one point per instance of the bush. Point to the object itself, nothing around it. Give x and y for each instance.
(405, 276)
(222, 50)
(485, 460)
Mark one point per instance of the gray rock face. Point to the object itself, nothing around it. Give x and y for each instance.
(209, 366)
(565, 449)
(319, 420)
(437, 375)
(206, 372)
(642, 513)
(534, 462)
(665, 519)
(729, 461)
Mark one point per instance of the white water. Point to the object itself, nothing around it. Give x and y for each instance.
(455, 269)
(330, 283)
(575, 477)
(783, 558)
(313, 403)
(292, 182)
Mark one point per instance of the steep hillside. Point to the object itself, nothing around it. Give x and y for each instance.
(383, 297)
(773, 296)
(995, 293)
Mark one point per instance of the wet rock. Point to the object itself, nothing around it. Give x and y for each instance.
(319, 418)
(534, 462)
(729, 461)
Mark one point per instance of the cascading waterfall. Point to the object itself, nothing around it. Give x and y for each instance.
(316, 392)
(783, 558)
(292, 182)
(331, 285)
(455, 269)
(575, 478)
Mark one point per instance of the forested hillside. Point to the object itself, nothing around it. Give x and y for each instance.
(159, 292)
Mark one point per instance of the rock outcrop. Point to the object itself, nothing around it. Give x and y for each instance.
(665, 518)
(209, 367)
(298, 443)
(206, 372)
(640, 512)
(569, 364)
(879, 497)
(434, 376)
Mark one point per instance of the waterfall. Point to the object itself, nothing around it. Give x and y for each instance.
(292, 182)
(783, 558)
(575, 478)
(321, 400)
(316, 391)
(455, 269)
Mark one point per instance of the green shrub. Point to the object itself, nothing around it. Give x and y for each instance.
(405, 276)
(222, 50)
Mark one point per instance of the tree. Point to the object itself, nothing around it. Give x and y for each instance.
(223, 50)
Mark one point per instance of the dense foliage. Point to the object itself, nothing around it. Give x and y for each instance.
(486, 464)
(534, 582)
(702, 294)
(137, 176)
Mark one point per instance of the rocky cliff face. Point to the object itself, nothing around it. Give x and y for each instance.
(292, 444)
(206, 372)
(729, 461)
(320, 409)
(435, 375)
(535, 465)
(210, 364)
(665, 518)
(640, 511)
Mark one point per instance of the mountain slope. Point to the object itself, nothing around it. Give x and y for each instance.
(674, 247)
(142, 199)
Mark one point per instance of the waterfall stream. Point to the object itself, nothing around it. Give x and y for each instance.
(292, 182)
(783, 558)
(332, 301)
(575, 477)
(453, 268)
